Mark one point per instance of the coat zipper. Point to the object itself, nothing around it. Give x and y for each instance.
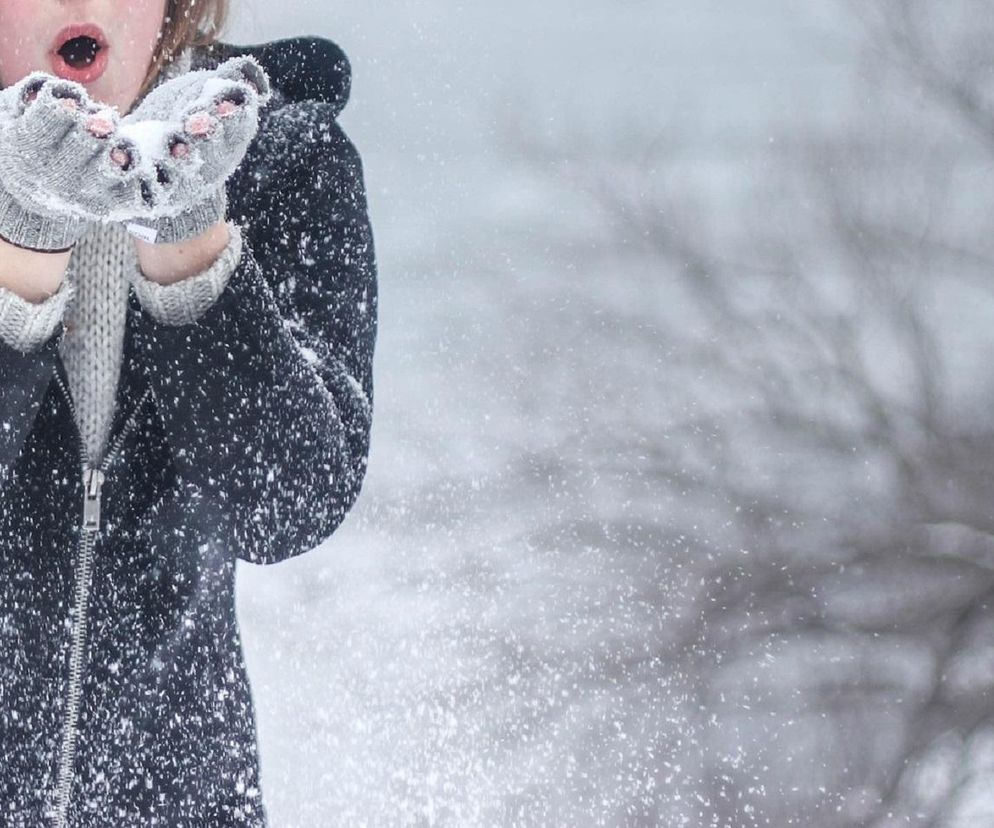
(93, 480)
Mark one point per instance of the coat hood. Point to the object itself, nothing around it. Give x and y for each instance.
(301, 68)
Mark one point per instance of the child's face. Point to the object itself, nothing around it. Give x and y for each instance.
(29, 28)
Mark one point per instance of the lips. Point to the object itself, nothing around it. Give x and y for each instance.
(79, 53)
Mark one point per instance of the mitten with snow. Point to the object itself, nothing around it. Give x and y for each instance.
(187, 137)
(56, 166)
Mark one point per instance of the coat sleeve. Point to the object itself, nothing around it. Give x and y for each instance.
(266, 398)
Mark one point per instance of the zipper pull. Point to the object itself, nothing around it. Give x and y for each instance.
(94, 479)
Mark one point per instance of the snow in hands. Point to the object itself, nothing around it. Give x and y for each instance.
(63, 153)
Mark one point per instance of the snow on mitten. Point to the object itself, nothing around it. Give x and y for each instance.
(56, 169)
(190, 134)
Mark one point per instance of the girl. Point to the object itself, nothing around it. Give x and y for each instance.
(187, 322)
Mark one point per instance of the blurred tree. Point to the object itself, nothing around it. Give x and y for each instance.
(808, 372)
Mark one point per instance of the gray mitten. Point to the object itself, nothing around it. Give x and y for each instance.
(188, 136)
(56, 169)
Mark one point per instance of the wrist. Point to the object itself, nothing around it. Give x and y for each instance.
(31, 275)
(172, 261)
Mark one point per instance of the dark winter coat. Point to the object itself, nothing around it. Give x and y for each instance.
(242, 435)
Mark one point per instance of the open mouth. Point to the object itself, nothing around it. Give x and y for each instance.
(79, 53)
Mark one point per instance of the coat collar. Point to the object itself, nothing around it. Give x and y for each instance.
(132, 381)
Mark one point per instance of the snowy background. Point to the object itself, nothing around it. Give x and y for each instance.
(677, 510)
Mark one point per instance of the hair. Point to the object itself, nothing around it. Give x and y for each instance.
(186, 23)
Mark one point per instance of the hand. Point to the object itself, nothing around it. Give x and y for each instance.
(56, 165)
(186, 138)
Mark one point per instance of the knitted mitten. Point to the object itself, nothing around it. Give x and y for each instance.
(189, 135)
(56, 169)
